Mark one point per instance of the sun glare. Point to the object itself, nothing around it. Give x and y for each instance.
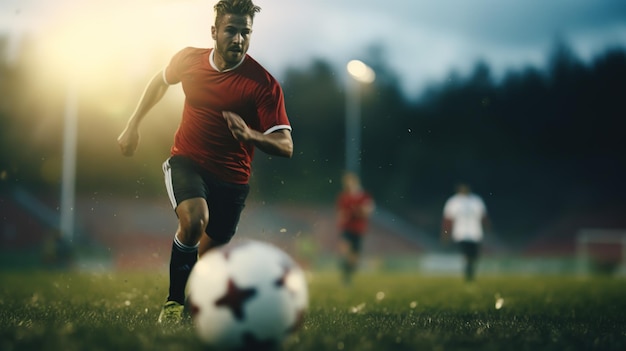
(106, 47)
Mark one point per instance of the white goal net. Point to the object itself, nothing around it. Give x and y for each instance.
(601, 251)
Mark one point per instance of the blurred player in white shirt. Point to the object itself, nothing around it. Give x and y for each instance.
(464, 215)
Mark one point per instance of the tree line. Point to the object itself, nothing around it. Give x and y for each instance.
(537, 144)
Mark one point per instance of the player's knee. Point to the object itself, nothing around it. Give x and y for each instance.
(191, 229)
(220, 238)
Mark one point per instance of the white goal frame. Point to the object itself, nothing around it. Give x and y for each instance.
(589, 236)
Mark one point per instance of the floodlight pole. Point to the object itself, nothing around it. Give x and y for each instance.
(358, 73)
(353, 126)
(68, 180)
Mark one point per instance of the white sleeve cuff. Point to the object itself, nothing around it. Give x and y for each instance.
(164, 78)
(278, 127)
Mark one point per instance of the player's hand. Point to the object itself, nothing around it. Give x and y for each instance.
(237, 126)
(445, 237)
(128, 141)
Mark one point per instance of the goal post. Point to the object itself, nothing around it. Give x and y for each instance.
(601, 248)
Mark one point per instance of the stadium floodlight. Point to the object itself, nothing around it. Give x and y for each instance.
(359, 73)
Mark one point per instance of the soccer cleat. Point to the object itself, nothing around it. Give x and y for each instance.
(171, 313)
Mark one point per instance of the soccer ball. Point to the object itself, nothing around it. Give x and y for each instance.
(246, 296)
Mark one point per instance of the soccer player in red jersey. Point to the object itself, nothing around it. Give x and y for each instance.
(232, 106)
(354, 208)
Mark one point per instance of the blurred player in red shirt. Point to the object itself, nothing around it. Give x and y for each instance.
(354, 208)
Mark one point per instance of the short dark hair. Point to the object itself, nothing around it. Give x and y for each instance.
(463, 187)
(235, 7)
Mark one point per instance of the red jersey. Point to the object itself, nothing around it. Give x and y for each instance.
(351, 208)
(203, 134)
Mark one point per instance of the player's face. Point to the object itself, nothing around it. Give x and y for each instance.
(350, 182)
(232, 39)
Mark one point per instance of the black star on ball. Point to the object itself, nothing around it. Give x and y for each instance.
(235, 298)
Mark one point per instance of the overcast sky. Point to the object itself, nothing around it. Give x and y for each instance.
(423, 40)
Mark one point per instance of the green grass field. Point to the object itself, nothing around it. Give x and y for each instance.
(117, 311)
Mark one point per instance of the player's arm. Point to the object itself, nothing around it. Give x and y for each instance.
(129, 138)
(368, 207)
(446, 229)
(486, 223)
(342, 217)
(278, 143)
(364, 210)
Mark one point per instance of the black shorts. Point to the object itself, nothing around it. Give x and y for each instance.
(470, 249)
(355, 241)
(185, 179)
